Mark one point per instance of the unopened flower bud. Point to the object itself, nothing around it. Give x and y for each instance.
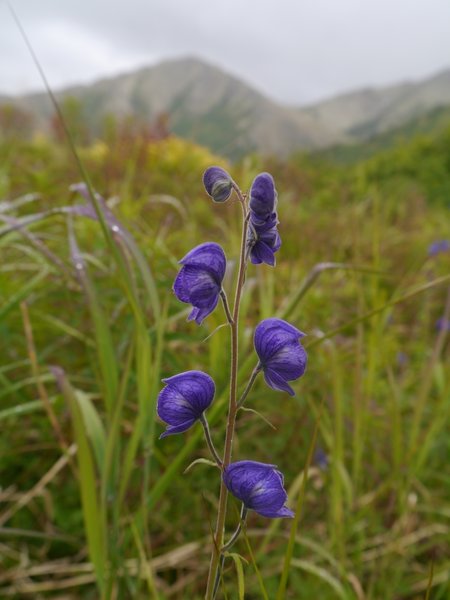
(218, 183)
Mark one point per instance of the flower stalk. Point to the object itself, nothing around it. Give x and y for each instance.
(209, 441)
(249, 385)
(232, 408)
(226, 306)
(228, 545)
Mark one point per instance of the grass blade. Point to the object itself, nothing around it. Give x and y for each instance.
(94, 428)
(238, 560)
(94, 526)
(295, 523)
(322, 574)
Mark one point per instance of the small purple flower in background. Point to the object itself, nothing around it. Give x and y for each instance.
(443, 324)
(281, 356)
(184, 399)
(402, 359)
(263, 237)
(437, 247)
(321, 458)
(218, 183)
(259, 487)
(200, 280)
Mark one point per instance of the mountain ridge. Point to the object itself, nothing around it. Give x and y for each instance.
(221, 111)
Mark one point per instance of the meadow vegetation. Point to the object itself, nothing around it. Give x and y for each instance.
(92, 504)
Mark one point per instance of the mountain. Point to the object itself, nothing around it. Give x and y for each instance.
(366, 113)
(220, 111)
(434, 122)
(203, 103)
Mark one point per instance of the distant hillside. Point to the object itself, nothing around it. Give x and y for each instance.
(362, 114)
(203, 103)
(218, 110)
(431, 122)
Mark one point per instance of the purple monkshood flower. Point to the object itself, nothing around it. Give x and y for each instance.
(259, 487)
(200, 280)
(218, 183)
(281, 356)
(437, 247)
(263, 237)
(263, 245)
(184, 399)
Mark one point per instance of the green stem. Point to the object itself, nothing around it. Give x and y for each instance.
(232, 409)
(228, 545)
(234, 537)
(249, 385)
(209, 441)
(226, 307)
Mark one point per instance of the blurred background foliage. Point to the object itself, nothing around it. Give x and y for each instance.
(355, 272)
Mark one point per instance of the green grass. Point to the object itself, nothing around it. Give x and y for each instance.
(117, 517)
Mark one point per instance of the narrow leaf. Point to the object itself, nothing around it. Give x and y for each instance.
(238, 560)
(88, 486)
(322, 574)
(260, 415)
(94, 427)
(198, 461)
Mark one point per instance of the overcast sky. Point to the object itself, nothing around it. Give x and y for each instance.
(295, 51)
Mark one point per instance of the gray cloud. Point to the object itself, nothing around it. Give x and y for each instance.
(295, 51)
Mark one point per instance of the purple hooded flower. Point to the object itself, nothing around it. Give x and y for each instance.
(259, 487)
(263, 245)
(200, 280)
(263, 238)
(184, 399)
(281, 356)
(218, 183)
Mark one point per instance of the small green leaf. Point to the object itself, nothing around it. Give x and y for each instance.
(261, 416)
(203, 461)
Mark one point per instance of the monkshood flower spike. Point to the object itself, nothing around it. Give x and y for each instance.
(184, 399)
(259, 486)
(281, 356)
(218, 183)
(200, 280)
(263, 239)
